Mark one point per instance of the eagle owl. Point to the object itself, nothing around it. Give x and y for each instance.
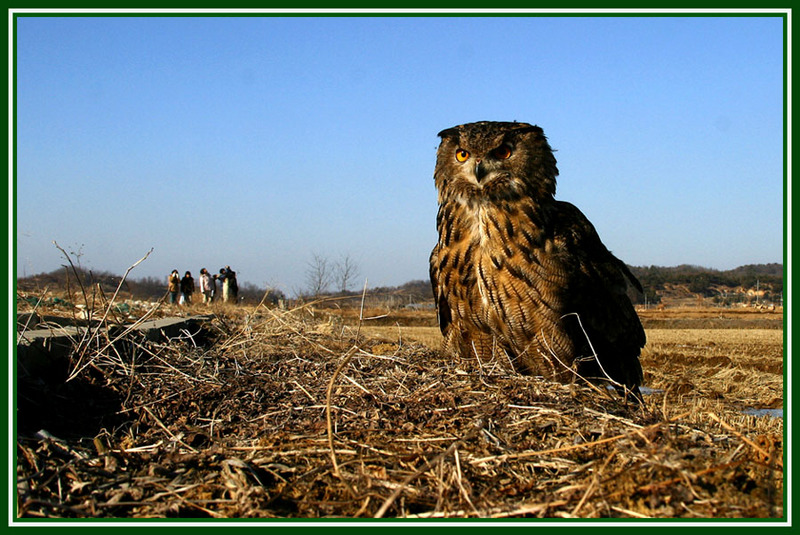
(519, 276)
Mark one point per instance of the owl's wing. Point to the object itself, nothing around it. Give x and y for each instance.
(596, 290)
(442, 307)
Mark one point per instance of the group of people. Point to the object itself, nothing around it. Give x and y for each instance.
(180, 290)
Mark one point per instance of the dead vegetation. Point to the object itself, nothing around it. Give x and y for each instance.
(296, 414)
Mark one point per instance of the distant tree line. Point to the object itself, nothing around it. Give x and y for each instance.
(706, 282)
(145, 288)
(337, 279)
(72, 280)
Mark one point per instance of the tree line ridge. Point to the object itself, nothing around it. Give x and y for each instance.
(759, 282)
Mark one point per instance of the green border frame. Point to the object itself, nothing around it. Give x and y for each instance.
(340, 525)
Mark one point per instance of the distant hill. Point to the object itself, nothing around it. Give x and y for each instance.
(63, 281)
(762, 282)
(744, 284)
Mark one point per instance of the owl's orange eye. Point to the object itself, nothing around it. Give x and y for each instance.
(502, 152)
(462, 155)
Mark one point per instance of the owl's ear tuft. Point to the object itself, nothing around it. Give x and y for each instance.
(449, 133)
(527, 128)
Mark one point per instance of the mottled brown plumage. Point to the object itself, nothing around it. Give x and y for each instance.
(519, 276)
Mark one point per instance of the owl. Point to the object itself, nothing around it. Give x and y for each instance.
(519, 277)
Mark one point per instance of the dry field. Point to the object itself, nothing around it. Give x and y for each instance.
(313, 413)
(737, 365)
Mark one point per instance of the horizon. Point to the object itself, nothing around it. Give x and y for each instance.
(258, 141)
(288, 294)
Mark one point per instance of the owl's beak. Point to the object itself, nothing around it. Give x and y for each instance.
(480, 170)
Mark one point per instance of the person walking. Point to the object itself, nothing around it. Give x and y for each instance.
(173, 286)
(233, 287)
(220, 277)
(187, 289)
(208, 286)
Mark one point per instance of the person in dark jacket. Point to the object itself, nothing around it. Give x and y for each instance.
(187, 289)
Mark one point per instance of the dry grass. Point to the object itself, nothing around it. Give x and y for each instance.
(744, 368)
(301, 414)
(428, 336)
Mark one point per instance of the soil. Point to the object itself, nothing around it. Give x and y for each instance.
(300, 414)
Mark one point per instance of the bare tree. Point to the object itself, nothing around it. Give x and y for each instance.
(318, 275)
(345, 272)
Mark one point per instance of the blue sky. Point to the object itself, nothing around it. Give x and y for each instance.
(259, 141)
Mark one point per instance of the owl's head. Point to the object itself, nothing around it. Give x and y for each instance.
(494, 161)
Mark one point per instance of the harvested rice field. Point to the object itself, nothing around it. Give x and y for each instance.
(312, 413)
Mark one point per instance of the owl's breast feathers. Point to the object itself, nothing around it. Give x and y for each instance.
(534, 280)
